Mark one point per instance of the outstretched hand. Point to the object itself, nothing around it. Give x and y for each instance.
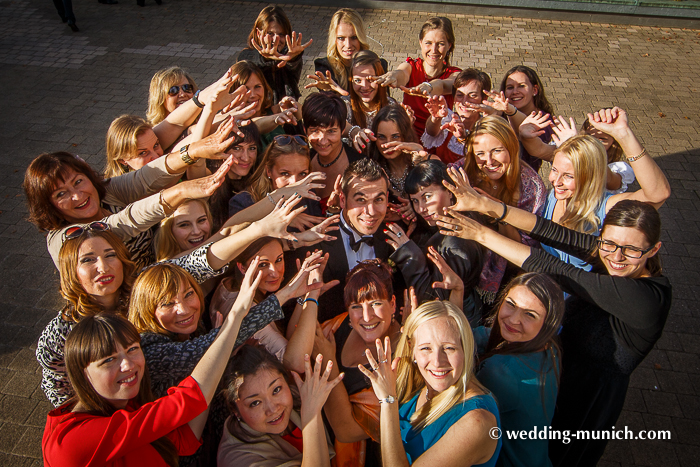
(278, 220)
(249, 285)
(314, 390)
(325, 83)
(383, 373)
(467, 198)
(534, 125)
(611, 121)
(450, 279)
(563, 130)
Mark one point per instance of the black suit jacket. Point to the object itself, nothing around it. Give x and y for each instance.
(331, 303)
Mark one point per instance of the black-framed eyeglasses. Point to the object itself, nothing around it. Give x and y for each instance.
(628, 251)
(283, 140)
(175, 90)
(77, 231)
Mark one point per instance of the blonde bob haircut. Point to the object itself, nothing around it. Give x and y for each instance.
(161, 83)
(409, 379)
(155, 286)
(165, 244)
(80, 303)
(587, 155)
(353, 18)
(122, 142)
(500, 129)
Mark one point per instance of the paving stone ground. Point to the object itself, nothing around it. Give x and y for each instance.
(61, 91)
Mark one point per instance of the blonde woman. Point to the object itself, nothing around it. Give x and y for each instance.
(170, 88)
(131, 143)
(346, 37)
(433, 409)
(578, 199)
(186, 228)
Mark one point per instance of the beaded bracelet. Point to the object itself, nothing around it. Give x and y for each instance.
(272, 200)
(638, 156)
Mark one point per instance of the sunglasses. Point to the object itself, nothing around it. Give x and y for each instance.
(283, 140)
(175, 90)
(75, 232)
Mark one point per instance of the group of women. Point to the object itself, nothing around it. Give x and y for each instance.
(180, 343)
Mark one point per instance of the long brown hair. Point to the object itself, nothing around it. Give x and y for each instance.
(260, 183)
(442, 24)
(396, 114)
(540, 99)
(366, 58)
(499, 128)
(269, 14)
(245, 69)
(40, 180)
(94, 338)
(549, 294)
(81, 304)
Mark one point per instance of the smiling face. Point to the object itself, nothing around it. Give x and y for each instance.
(117, 377)
(520, 92)
(438, 353)
(616, 263)
(371, 319)
(491, 155)
(244, 157)
(191, 225)
(257, 93)
(265, 402)
(346, 41)
(521, 315)
(470, 93)
(288, 169)
(364, 88)
(76, 198)
(173, 102)
(147, 149)
(272, 266)
(562, 177)
(326, 141)
(431, 200)
(100, 271)
(388, 131)
(180, 314)
(365, 206)
(434, 47)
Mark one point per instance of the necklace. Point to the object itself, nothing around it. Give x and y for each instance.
(397, 183)
(325, 166)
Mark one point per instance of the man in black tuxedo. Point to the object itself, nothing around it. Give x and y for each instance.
(364, 202)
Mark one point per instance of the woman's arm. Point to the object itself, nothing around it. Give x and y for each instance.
(395, 78)
(655, 188)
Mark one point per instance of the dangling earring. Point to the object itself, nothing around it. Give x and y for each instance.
(238, 417)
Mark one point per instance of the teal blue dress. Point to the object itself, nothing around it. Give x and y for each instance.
(417, 442)
(523, 402)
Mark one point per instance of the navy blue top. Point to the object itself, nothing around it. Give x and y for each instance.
(417, 442)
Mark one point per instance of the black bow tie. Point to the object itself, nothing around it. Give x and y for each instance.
(355, 245)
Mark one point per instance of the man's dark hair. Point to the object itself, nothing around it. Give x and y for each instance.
(366, 169)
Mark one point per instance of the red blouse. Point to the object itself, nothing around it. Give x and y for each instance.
(82, 439)
(418, 103)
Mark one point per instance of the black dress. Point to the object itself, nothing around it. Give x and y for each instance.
(283, 81)
(610, 325)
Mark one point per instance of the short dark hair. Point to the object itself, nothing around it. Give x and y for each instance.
(369, 280)
(426, 173)
(40, 181)
(472, 74)
(366, 169)
(323, 109)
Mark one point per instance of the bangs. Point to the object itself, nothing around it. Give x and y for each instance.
(100, 337)
(364, 286)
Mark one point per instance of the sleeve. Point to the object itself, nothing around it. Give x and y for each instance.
(293, 69)
(197, 264)
(238, 456)
(626, 172)
(185, 441)
(634, 301)
(239, 202)
(323, 65)
(132, 186)
(50, 355)
(429, 141)
(258, 317)
(569, 241)
(414, 267)
(135, 218)
(481, 338)
(532, 198)
(103, 440)
(499, 378)
(252, 56)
